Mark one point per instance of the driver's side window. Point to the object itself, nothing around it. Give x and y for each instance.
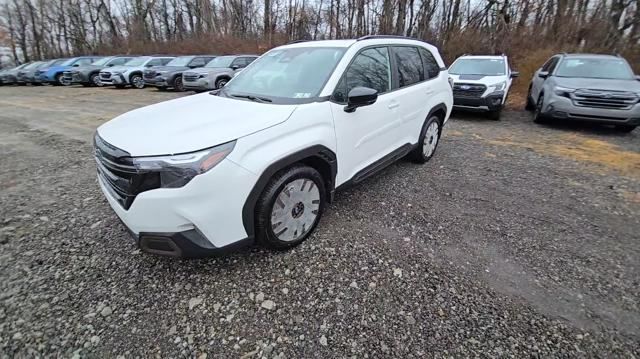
(370, 68)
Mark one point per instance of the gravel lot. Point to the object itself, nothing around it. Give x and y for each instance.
(515, 240)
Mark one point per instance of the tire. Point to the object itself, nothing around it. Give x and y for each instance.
(295, 196)
(529, 106)
(428, 141)
(538, 116)
(60, 80)
(94, 80)
(178, 85)
(221, 82)
(495, 115)
(625, 128)
(136, 81)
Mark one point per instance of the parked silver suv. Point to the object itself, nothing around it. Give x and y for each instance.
(586, 87)
(216, 73)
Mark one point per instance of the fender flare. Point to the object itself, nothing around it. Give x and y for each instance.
(316, 152)
(438, 107)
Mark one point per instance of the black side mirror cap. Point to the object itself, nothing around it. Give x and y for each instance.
(637, 77)
(235, 67)
(515, 74)
(110, 65)
(359, 97)
(76, 65)
(543, 74)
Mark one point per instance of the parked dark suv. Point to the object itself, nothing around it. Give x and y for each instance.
(170, 75)
(586, 87)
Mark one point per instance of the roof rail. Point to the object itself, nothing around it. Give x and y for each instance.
(370, 37)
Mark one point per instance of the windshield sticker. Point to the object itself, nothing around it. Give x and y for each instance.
(301, 95)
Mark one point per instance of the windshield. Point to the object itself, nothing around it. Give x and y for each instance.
(102, 61)
(138, 61)
(33, 65)
(294, 73)
(487, 67)
(222, 61)
(180, 61)
(58, 62)
(595, 68)
(67, 62)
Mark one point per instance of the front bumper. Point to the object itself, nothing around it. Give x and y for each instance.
(76, 78)
(198, 219)
(198, 84)
(156, 81)
(492, 102)
(114, 80)
(560, 107)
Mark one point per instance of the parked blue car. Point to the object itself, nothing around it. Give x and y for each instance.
(54, 74)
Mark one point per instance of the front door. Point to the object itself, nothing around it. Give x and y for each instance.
(364, 136)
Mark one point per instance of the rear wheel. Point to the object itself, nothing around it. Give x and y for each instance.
(177, 84)
(290, 207)
(60, 81)
(625, 128)
(428, 141)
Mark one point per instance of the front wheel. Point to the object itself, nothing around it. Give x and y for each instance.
(95, 80)
(220, 83)
(428, 141)
(137, 81)
(60, 81)
(538, 116)
(177, 84)
(290, 207)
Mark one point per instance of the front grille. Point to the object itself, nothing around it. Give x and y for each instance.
(468, 90)
(105, 75)
(190, 77)
(123, 180)
(616, 100)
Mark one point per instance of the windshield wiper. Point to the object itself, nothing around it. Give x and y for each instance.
(252, 98)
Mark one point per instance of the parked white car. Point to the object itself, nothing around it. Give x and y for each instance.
(216, 73)
(481, 83)
(131, 72)
(261, 158)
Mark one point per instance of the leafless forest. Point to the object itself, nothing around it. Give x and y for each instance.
(527, 30)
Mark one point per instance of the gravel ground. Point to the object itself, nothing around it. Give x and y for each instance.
(515, 240)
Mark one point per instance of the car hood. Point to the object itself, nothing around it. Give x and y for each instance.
(189, 124)
(117, 69)
(209, 70)
(87, 68)
(478, 79)
(631, 85)
(168, 68)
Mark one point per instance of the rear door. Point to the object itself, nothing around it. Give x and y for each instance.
(414, 85)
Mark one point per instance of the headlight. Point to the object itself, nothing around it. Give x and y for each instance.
(116, 73)
(563, 91)
(497, 87)
(177, 170)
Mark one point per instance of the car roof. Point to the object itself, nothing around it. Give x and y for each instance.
(365, 41)
(493, 57)
(592, 56)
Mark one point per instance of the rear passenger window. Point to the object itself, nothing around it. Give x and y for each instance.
(410, 69)
(369, 69)
(197, 62)
(165, 61)
(431, 67)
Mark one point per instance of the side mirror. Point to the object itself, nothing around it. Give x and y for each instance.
(76, 65)
(235, 67)
(543, 74)
(637, 77)
(148, 65)
(110, 65)
(515, 74)
(360, 96)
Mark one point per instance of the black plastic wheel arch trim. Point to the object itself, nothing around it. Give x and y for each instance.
(317, 152)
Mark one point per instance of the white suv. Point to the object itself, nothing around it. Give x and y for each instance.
(261, 158)
(131, 72)
(481, 83)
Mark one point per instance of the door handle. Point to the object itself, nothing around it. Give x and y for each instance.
(393, 105)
